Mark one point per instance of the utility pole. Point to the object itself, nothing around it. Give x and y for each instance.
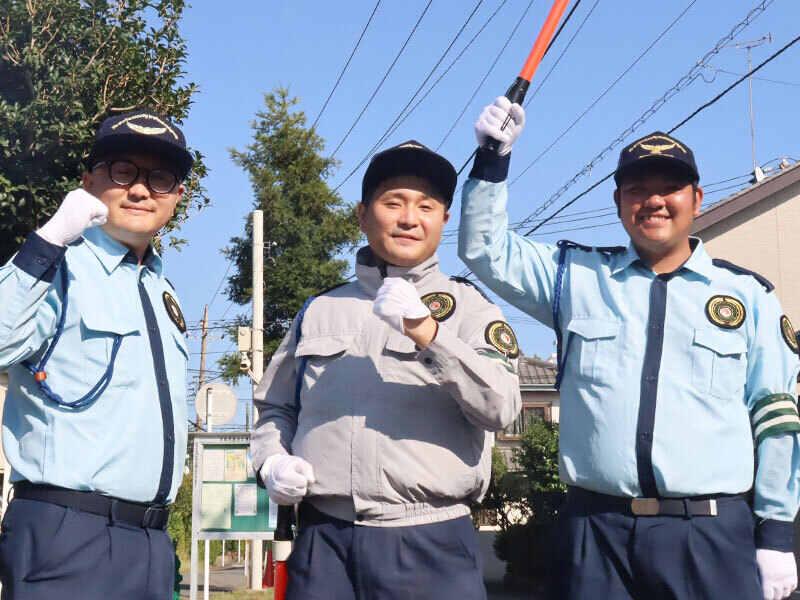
(258, 357)
(201, 378)
(758, 174)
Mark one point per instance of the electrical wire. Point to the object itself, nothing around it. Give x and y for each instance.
(486, 75)
(346, 64)
(605, 92)
(383, 79)
(400, 116)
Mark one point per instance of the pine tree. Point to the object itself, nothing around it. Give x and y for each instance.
(306, 224)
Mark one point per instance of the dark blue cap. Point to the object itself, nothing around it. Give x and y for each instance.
(411, 158)
(657, 148)
(142, 131)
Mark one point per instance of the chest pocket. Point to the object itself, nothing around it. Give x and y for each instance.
(591, 344)
(99, 331)
(399, 361)
(316, 356)
(719, 365)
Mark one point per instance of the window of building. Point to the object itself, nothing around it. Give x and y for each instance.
(528, 414)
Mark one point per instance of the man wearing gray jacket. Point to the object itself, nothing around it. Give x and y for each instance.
(378, 409)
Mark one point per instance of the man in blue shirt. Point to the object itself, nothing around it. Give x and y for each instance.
(676, 369)
(92, 337)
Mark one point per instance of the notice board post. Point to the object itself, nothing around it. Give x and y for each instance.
(226, 502)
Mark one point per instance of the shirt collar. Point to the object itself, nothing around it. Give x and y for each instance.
(699, 262)
(372, 270)
(112, 253)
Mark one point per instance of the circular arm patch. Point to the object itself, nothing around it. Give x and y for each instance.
(788, 333)
(726, 312)
(500, 335)
(441, 305)
(174, 311)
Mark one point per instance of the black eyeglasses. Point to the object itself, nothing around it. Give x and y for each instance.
(124, 172)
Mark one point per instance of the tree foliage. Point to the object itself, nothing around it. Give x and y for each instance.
(64, 66)
(530, 497)
(306, 224)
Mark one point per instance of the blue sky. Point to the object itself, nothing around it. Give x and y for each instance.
(238, 51)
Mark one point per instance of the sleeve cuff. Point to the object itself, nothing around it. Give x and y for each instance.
(490, 167)
(775, 535)
(39, 259)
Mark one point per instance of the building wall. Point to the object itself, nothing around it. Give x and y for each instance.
(764, 238)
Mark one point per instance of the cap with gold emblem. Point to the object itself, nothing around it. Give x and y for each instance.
(410, 158)
(142, 131)
(656, 148)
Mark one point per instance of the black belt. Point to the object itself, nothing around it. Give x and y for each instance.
(694, 506)
(139, 514)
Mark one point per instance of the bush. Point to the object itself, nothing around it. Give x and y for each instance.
(534, 493)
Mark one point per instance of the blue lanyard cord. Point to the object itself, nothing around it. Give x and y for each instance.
(40, 375)
(562, 265)
(298, 386)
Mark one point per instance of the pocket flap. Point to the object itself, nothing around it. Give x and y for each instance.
(594, 329)
(106, 321)
(724, 343)
(327, 345)
(401, 344)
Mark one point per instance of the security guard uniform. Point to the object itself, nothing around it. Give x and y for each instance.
(399, 438)
(94, 425)
(669, 384)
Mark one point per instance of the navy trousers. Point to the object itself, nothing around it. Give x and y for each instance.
(615, 556)
(48, 552)
(337, 560)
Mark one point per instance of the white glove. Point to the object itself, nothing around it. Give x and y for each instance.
(491, 121)
(397, 300)
(79, 211)
(778, 573)
(287, 478)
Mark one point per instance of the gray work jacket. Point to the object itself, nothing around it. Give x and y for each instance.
(396, 436)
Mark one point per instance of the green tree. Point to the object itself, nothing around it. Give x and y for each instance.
(531, 496)
(64, 66)
(306, 224)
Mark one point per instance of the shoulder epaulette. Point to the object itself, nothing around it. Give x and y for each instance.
(330, 289)
(724, 264)
(466, 281)
(611, 249)
(571, 244)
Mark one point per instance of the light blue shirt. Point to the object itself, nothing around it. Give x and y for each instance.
(659, 397)
(131, 442)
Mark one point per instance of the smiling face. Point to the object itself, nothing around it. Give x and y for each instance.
(657, 208)
(135, 212)
(403, 221)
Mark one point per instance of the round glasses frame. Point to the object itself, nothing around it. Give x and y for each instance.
(151, 176)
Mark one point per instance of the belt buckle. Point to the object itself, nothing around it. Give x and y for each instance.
(645, 507)
(152, 517)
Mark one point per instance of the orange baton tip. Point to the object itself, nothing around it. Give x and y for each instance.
(40, 376)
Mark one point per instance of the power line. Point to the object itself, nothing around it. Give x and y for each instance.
(486, 75)
(389, 129)
(221, 281)
(605, 92)
(564, 50)
(681, 84)
(693, 114)
(673, 129)
(346, 64)
(383, 79)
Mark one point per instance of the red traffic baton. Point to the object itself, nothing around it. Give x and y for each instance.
(281, 549)
(516, 93)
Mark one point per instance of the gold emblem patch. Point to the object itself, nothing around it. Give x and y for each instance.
(788, 333)
(441, 305)
(500, 335)
(174, 311)
(656, 149)
(726, 312)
